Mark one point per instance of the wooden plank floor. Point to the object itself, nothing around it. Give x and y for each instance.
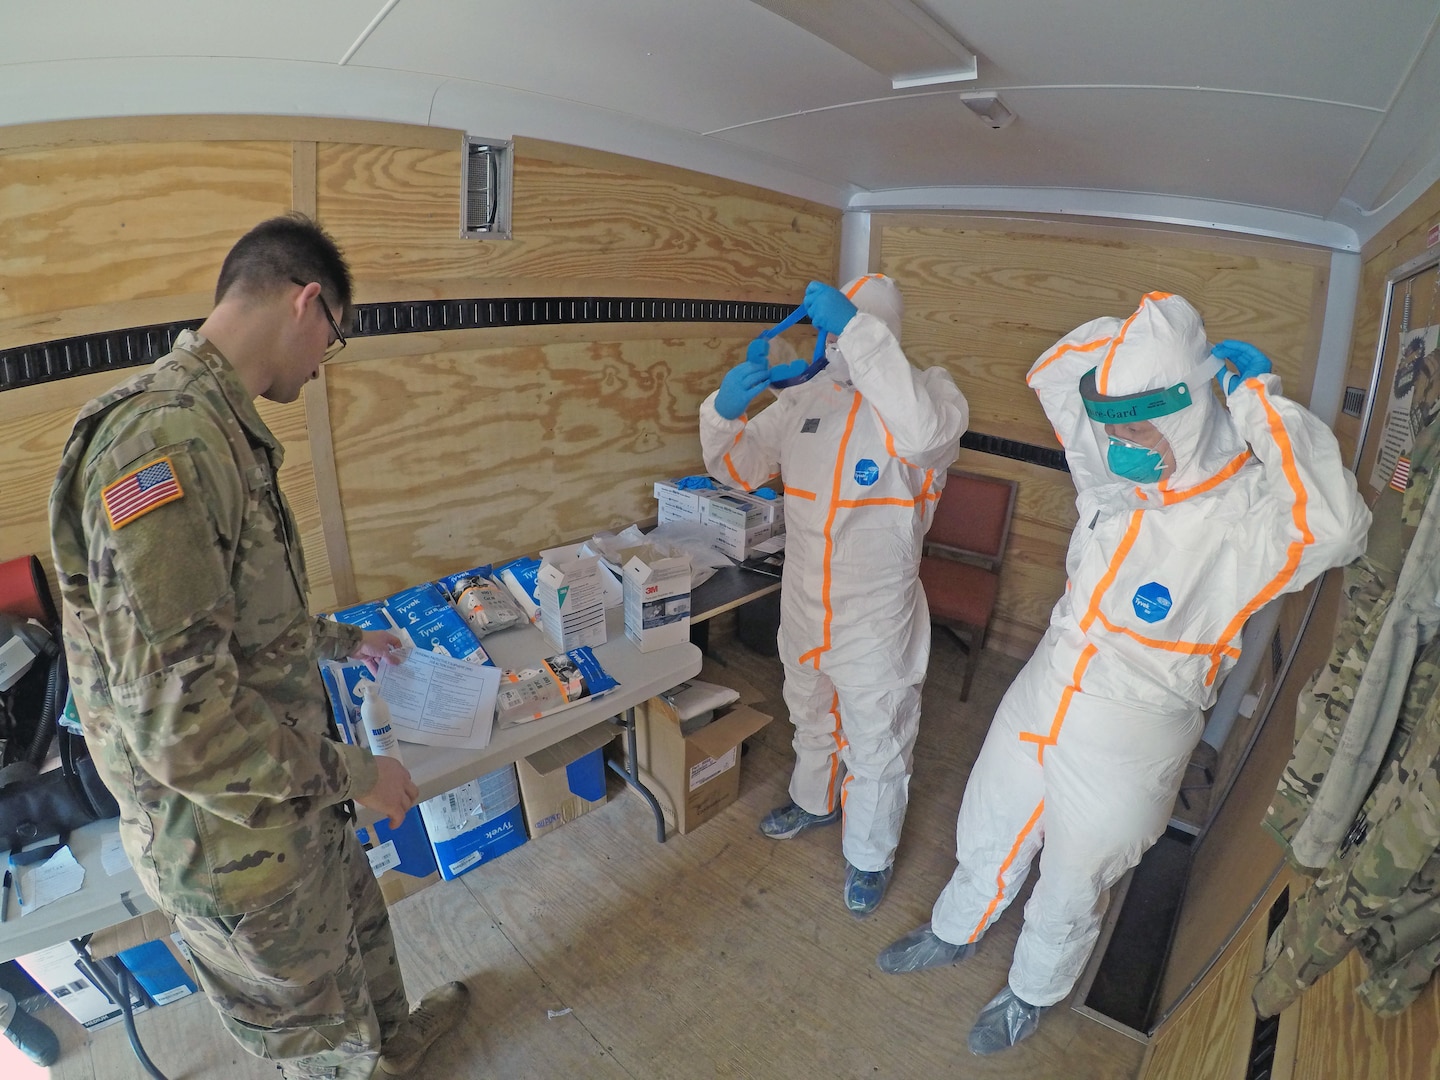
(597, 953)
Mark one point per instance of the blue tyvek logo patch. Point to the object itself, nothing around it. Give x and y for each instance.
(866, 472)
(1152, 601)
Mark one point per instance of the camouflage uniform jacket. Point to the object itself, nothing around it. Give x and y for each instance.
(1347, 714)
(192, 654)
(1378, 891)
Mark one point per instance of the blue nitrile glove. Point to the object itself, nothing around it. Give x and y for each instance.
(695, 483)
(780, 372)
(829, 310)
(1248, 361)
(744, 381)
(763, 493)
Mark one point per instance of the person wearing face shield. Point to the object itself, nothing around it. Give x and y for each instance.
(862, 440)
(1192, 516)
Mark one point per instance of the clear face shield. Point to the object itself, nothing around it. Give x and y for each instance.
(817, 361)
(1130, 460)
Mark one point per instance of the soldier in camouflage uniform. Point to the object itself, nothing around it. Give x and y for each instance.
(1356, 806)
(193, 667)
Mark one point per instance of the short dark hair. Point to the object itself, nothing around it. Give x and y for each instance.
(275, 251)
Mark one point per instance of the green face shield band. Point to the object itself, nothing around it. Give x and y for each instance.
(1132, 408)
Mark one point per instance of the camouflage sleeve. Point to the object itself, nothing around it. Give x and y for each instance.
(161, 585)
(336, 641)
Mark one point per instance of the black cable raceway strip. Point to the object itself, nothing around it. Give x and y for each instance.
(51, 361)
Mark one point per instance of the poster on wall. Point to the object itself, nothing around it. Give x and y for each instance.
(1414, 404)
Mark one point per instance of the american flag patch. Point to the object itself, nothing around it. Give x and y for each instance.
(1400, 478)
(141, 491)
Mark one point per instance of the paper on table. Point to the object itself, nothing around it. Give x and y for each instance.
(112, 855)
(440, 701)
(60, 875)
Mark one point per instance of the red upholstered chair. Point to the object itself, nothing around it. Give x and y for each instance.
(960, 567)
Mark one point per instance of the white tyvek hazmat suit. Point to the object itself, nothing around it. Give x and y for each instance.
(1087, 749)
(862, 448)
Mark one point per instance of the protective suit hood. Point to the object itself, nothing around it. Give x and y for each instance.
(1163, 345)
(872, 294)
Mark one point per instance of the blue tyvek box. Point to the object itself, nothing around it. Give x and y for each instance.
(409, 606)
(475, 822)
(411, 844)
(444, 631)
(340, 681)
(365, 616)
(157, 970)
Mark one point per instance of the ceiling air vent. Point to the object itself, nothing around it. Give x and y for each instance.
(485, 177)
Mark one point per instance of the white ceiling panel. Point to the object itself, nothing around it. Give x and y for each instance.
(1315, 108)
(1225, 147)
(86, 29)
(695, 64)
(1332, 50)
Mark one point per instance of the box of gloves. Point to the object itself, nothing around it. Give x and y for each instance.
(741, 521)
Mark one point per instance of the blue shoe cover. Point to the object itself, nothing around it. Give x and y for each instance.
(1003, 1023)
(864, 889)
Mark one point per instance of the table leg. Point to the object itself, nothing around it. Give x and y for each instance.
(118, 991)
(632, 774)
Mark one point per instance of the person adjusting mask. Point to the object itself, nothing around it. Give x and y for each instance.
(1193, 514)
(862, 440)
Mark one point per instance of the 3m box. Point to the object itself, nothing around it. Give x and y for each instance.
(693, 776)
(401, 859)
(739, 521)
(657, 600)
(475, 822)
(564, 781)
(571, 595)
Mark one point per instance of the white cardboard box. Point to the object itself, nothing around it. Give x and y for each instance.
(657, 600)
(571, 595)
(739, 521)
(678, 504)
(55, 969)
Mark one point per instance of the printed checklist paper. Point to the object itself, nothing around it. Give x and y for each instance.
(439, 701)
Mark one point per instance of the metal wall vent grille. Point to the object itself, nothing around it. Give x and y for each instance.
(485, 182)
(1260, 1065)
(1354, 400)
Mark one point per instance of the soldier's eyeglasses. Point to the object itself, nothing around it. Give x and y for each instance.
(339, 342)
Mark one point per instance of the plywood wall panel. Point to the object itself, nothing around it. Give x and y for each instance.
(1211, 1039)
(578, 229)
(1340, 1037)
(986, 300)
(984, 297)
(30, 454)
(96, 224)
(501, 451)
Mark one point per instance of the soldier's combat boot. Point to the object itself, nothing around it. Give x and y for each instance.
(436, 1014)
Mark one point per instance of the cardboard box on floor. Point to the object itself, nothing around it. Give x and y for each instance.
(564, 781)
(402, 859)
(696, 776)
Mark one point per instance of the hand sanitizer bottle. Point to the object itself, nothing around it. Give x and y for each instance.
(375, 715)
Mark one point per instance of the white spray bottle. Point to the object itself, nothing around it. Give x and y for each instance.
(375, 715)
